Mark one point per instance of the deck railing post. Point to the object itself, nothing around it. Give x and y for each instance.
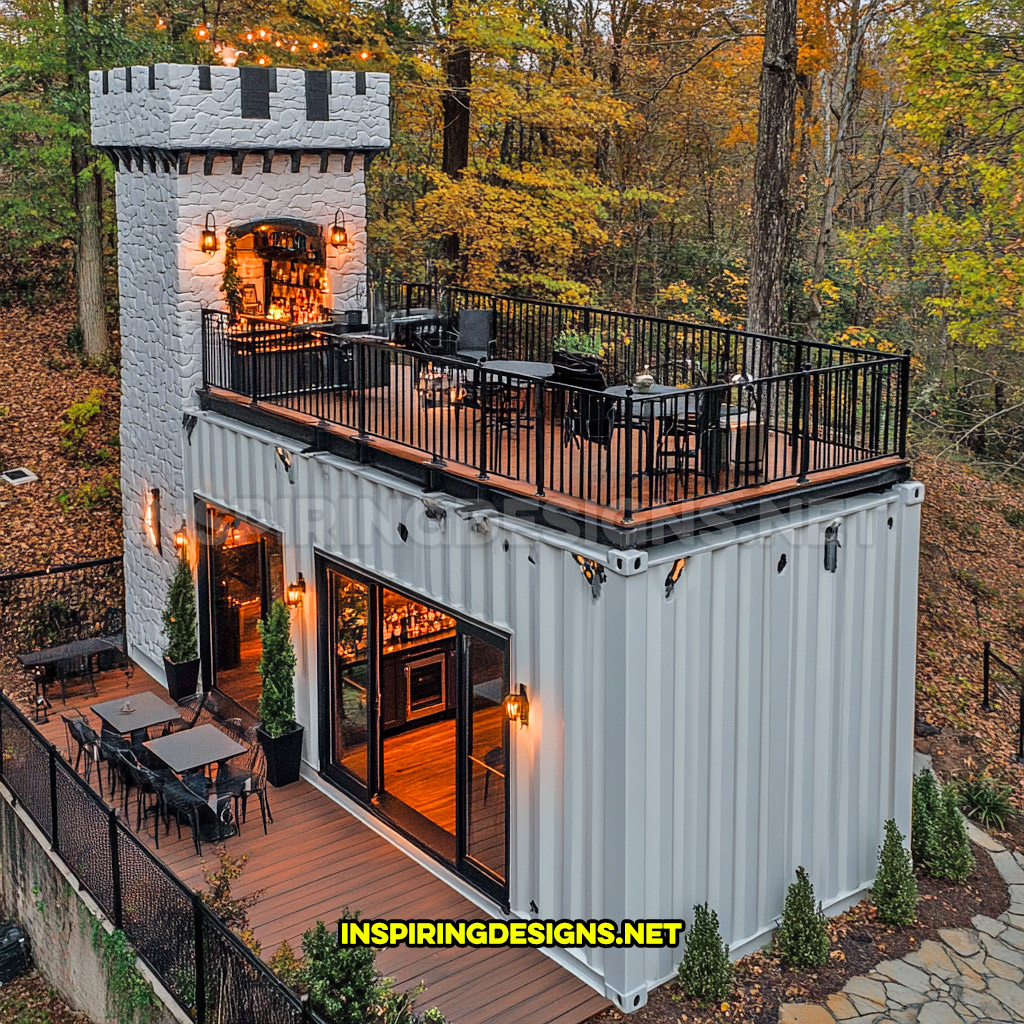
(985, 706)
(359, 381)
(200, 957)
(904, 401)
(482, 409)
(540, 395)
(805, 431)
(115, 864)
(627, 513)
(255, 377)
(797, 397)
(54, 841)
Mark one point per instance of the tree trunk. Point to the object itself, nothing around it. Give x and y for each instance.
(847, 103)
(776, 115)
(455, 108)
(87, 189)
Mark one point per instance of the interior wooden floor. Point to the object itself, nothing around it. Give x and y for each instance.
(318, 859)
(581, 476)
(419, 771)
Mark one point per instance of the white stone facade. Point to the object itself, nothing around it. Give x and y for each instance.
(165, 280)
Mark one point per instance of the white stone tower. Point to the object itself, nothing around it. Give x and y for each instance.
(198, 146)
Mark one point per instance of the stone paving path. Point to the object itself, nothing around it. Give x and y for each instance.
(969, 976)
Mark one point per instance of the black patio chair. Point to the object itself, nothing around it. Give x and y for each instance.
(111, 745)
(692, 439)
(183, 800)
(69, 669)
(246, 778)
(474, 337)
(588, 415)
(146, 784)
(88, 745)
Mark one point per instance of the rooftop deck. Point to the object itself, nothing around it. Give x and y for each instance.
(318, 859)
(712, 432)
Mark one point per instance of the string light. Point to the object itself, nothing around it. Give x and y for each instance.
(248, 37)
(293, 47)
(364, 55)
(314, 46)
(160, 23)
(202, 32)
(263, 60)
(263, 33)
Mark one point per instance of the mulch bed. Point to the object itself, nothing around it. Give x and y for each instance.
(29, 1000)
(859, 942)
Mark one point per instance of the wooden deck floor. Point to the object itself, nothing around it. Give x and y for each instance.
(318, 860)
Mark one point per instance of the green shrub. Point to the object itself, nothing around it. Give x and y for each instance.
(705, 972)
(985, 799)
(286, 965)
(951, 857)
(179, 616)
(802, 938)
(894, 893)
(341, 980)
(277, 671)
(76, 420)
(924, 817)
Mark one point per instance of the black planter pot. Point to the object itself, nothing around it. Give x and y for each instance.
(182, 678)
(284, 755)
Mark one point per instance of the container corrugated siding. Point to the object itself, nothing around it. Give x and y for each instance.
(679, 750)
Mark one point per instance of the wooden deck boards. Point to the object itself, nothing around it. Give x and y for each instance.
(318, 860)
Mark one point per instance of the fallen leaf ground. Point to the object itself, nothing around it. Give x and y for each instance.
(29, 1000)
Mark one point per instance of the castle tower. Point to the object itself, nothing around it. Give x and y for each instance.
(267, 159)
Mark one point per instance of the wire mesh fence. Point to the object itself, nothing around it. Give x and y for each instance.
(212, 975)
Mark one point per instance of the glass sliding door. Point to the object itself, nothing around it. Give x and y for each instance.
(349, 656)
(245, 574)
(413, 722)
(485, 729)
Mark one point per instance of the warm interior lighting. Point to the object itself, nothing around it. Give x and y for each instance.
(208, 236)
(296, 591)
(339, 233)
(151, 517)
(181, 538)
(517, 707)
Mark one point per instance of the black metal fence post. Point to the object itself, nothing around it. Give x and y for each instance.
(54, 842)
(985, 706)
(805, 426)
(200, 955)
(115, 865)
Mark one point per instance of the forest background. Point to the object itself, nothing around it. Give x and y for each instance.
(603, 151)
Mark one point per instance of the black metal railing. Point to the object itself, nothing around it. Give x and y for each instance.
(207, 969)
(989, 657)
(623, 450)
(45, 607)
(677, 351)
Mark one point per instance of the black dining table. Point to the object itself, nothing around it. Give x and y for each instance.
(650, 408)
(519, 367)
(194, 748)
(145, 710)
(49, 658)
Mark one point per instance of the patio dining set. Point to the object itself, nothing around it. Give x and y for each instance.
(193, 762)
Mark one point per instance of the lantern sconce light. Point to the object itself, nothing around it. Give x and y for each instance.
(339, 233)
(151, 517)
(296, 591)
(208, 236)
(181, 539)
(517, 707)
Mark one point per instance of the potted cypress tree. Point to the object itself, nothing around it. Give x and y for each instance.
(181, 655)
(280, 735)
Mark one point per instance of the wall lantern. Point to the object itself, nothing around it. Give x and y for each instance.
(181, 539)
(208, 236)
(517, 707)
(339, 234)
(295, 592)
(151, 517)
